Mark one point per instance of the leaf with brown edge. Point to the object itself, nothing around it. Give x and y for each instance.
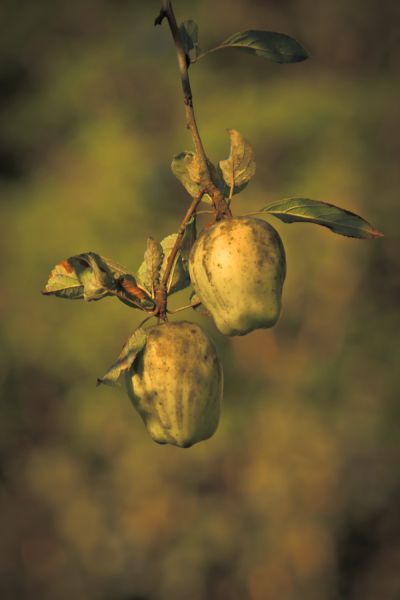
(126, 358)
(89, 276)
(84, 276)
(338, 220)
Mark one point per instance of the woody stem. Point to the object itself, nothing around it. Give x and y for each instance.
(220, 205)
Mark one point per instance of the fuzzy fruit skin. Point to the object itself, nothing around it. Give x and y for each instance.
(176, 384)
(237, 268)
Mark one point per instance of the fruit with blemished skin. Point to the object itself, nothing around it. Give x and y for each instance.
(176, 384)
(237, 268)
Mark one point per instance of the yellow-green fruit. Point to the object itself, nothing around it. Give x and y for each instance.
(237, 268)
(176, 384)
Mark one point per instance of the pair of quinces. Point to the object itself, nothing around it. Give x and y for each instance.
(237, 268)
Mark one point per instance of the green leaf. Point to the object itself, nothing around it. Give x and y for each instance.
(277, 47)
(189, 34)
(337, 219)
(240, 166)
(127, 357)
(84, 276)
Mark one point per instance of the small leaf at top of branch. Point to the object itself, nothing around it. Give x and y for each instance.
(127, 357)
(240, 166)
(337, 219)
(189, 35)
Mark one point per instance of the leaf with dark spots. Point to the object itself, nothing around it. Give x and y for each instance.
(338, 220)
(126, 359)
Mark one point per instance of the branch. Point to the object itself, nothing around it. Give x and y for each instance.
(221, 207)
(161, 295)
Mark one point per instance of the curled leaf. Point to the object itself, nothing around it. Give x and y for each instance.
(132, 294)
(127, 357)
(186, 167)
(153, 258)
(337, 219)
(179, 278)
(240, 166)
(85, 276)
(89, 276)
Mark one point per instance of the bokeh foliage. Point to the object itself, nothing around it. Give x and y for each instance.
(297, 495)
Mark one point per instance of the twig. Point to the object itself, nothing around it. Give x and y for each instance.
(161, 295)
(221, 207)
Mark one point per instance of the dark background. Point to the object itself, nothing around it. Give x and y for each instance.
(297, 495)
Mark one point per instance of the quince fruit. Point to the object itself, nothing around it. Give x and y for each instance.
(176, 384)
(237, 268)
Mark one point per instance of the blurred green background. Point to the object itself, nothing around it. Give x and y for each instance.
(297, 495)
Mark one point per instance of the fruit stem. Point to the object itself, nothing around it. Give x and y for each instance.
(220, 205)
(161, 294)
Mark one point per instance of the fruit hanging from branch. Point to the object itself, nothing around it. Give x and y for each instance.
(176, 384)
(237, 266)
